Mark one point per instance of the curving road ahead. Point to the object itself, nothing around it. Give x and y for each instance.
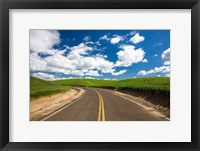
(98, 104)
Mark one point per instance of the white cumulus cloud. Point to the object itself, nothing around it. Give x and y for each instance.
(137, 38)
(105, 37)
(37, 63)
(81, 49)
(92, 73)
(144, 60)
(167, 75)
(142, 72)
(162, 69)
(119, 73)
(129, 55)
(166, 56)
(77, 62)
(44, 76)
(116, 39)
(44, 40)
(89, 78)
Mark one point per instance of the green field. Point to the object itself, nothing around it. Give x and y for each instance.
(40, 87)
(149, 83)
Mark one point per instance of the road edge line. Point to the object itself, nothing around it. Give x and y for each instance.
(142, 106)
(63, 107)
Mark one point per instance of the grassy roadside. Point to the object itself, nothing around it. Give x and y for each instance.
(39, 87)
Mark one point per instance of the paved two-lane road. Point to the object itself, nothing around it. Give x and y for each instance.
(104, 105)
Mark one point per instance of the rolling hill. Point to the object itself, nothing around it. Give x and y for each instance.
(149, 83)
(39, 87)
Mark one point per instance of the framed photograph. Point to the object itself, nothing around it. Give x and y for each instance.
(99, 75)
(92, 75)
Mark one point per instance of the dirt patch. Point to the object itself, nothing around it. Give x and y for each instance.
(41, 107)
(160, 102)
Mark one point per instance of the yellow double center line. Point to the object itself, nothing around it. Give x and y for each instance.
(101, 113)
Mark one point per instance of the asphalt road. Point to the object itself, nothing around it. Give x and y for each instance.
(104, 105)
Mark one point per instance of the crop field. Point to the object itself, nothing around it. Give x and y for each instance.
(149, 83)
(40, 87)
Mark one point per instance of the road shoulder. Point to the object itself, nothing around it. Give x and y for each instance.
(42, 107)
(146, 104)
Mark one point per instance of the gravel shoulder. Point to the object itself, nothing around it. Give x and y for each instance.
(43, 106)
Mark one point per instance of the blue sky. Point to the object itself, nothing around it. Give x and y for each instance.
(99, 54)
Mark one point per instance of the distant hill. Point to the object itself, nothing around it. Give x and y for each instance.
(155, 85)
(148, 83)
(39, 87)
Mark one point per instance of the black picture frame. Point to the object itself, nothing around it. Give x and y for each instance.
(5, 5)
